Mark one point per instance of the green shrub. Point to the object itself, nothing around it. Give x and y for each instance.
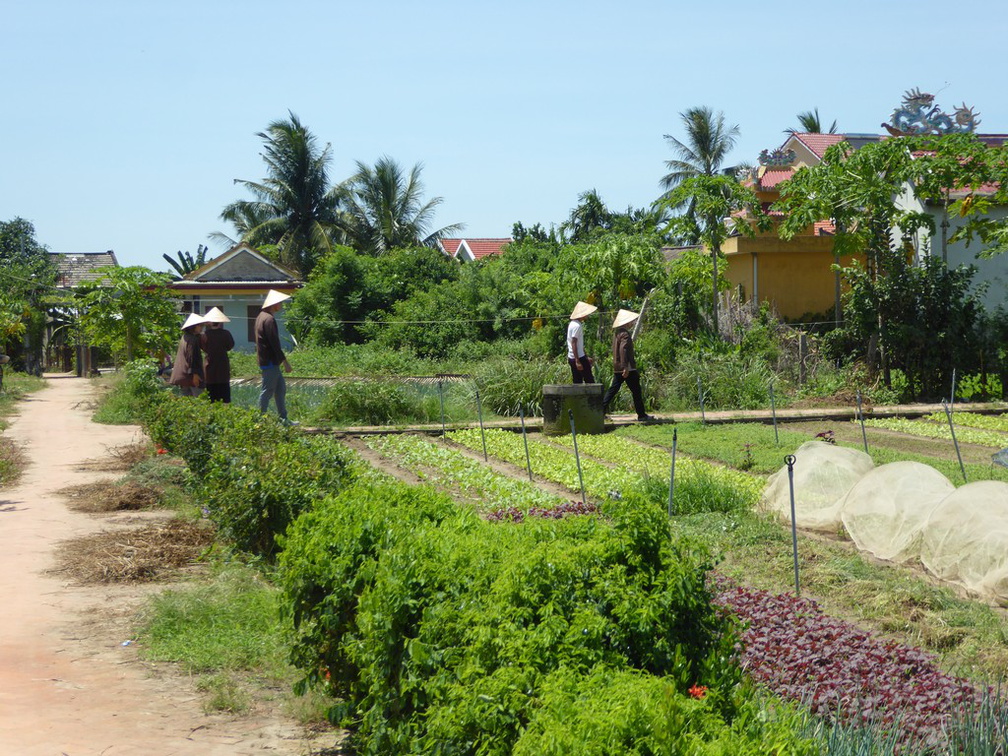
(139, 389)
(370, 403)
(609, 712)
(436, 630)
(252, 474)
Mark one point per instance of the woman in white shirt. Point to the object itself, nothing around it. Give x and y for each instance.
(580, 363)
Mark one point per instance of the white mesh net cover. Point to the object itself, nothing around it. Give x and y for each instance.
(823, 474)
(885, 511)
(965, 539)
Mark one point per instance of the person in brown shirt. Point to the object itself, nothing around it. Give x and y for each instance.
(625, 365)
(270, 354)
(187, 372)
(216, 342)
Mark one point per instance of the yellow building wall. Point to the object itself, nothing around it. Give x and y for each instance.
(795, 276)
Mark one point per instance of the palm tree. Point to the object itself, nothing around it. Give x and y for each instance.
(708, 141)
(386, 209)
(294, 207)
(809, 123)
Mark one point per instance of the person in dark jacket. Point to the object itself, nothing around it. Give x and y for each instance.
(270, 355)
(217, 341)
(187, 372)
(625, 365)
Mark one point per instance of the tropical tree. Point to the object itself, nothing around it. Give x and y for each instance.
(129, 310)
(810, 123)
(294, 207)
(721, 206)
(386, 208)
(27, 275)
(186, 263)
(708, 141)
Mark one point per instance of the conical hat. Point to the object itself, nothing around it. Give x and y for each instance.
(193, 320)
(274, 297)
(215, 315)
(624, 317)
(582, 310)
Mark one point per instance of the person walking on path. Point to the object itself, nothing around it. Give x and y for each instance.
(624, 365)
(217, 341)
(270, 355)
(187, 372)
(580, 363)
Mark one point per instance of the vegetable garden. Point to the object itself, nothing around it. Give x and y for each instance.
(483, 612)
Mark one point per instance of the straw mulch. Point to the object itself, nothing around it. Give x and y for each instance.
(109, 496)
(138, 555)
(119, 459)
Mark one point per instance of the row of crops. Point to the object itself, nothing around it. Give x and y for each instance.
(435, 622)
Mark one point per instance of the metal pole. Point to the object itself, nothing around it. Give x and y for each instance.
(948, 414)
(952, 395)
(699, 385)
(577, 457)
(860, 414)
(671, 483)
(773, 412)
(528, 460)
(479, 409)
(440, 390)
(789, 460)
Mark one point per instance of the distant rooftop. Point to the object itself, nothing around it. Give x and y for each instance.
(74, 269)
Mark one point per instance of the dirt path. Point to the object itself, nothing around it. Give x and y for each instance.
(68, 684)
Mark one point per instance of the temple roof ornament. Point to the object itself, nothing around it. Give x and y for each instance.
(919, 115)
(778, 158)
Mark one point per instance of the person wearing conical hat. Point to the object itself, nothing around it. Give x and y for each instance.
(216, 342)
(580, 363)
(270, 355)
(187, 372)
(624, 365)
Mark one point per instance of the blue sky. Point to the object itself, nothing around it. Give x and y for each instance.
(126, 123)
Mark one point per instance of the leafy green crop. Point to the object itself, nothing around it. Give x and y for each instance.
(928, 429)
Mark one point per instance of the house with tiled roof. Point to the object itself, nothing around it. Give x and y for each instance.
(991, 272)
(467, 250)
(795, 276)
(76, 268)
(72, 270)
(237, 282)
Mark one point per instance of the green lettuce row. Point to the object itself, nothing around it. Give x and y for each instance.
(437, 464)
(927, 429)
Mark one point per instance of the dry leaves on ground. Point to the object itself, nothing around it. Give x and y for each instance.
(135, 555)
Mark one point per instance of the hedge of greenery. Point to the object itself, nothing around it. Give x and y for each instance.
(253, 476)
(438, 632)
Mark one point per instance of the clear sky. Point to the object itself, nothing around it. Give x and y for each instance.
(125, 122)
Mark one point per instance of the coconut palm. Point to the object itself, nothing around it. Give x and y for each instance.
(386, 208)
(810, 123)
(708, 141)
(294, 207)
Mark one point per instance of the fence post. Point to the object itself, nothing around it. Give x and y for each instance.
(699, 385)
(479, 410)
(577, 457)
(789, 460)
(528, 460)
(440, 390)
(860, 414)
(948, 414)
(773, 412)
(671, 484)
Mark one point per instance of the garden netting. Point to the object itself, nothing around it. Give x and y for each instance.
(902, 512)
(823, 474)
(884, 512)
(965, 539)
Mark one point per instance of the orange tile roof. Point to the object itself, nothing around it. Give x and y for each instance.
(479, 248)
(818, 143)
(775, 176)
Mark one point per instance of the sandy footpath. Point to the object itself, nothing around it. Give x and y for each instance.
(68, 685)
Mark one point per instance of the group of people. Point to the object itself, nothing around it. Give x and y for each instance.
(202, 361)
(624, 363)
